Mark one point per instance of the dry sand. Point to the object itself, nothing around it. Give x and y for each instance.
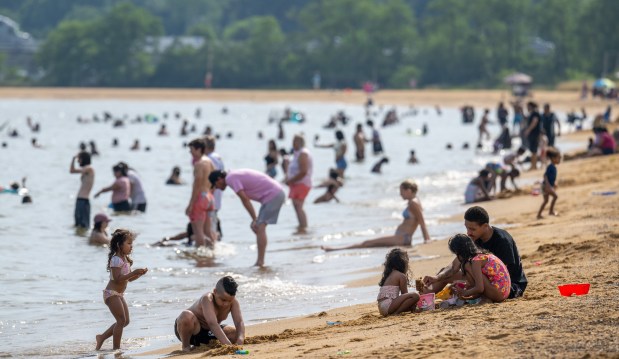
(560, 100)
(579, 246)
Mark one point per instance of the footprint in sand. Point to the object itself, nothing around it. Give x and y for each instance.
(499, 336)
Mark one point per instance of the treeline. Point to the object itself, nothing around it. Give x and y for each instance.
(282, 43)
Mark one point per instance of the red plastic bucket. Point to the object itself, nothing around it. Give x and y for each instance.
(568, 290)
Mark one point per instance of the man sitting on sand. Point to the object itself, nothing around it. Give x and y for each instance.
(497, 241)
(200, 323)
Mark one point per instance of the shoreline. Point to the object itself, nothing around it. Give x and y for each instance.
(555, 250)
(559, 100)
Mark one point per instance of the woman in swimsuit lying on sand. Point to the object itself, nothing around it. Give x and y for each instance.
(413, 217)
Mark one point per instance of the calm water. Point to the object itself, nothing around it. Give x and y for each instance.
(51, 279)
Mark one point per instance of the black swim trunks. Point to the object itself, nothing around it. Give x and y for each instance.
(203, 337)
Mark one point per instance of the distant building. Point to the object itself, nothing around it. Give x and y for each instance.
(159, 44)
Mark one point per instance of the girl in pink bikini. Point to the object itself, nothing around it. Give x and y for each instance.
(395, 281)
(486, 275)
(119, 265)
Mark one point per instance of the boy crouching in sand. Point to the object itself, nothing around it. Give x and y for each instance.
(549, 185)
(200, 323)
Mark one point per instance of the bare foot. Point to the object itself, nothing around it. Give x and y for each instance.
(556, 214)
(189, 348)
(326, 249)
(259, 264)
(99, 340)
(539, 216)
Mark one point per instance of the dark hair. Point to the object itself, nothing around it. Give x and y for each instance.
(209, 142)
(484, 173)
(120, 168)
(97, 226)
(176, 170)
(521, 150)
(396, 259)
(215, 175)
(282, 151)
(532, 104)
(333, 174)
(84, 158)
(272, 145)
(553, 152)
(477, 214)
(198, 143)
(339, 135)
(228, 285)
(118, 238)
(463, 246)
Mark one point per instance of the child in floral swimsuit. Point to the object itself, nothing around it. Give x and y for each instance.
(485, 273)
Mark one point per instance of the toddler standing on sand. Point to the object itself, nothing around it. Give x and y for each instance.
(395, 281)
(549, 186)
(119, 265)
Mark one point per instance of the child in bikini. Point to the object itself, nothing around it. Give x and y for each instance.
(486, 275)
(119, 265)
(393, 297)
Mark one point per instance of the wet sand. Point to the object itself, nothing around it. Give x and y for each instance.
(579, 246)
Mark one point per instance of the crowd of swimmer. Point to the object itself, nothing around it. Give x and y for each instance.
(487, 266)
(537, 132)
(197, 324)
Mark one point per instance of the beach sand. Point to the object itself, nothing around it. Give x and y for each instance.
(581, 245)
(560, 100)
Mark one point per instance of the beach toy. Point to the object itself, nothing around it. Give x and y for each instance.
(426, 302)
(605, 193)
(445, 293)
(567, 290)
(473, 301)
(242, 352)
(343, 352)
(334, 323)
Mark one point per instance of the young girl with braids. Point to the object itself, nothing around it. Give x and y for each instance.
(486, 275)
(393, 297)
(119, 265)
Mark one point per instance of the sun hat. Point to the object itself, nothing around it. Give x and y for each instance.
(102, 217)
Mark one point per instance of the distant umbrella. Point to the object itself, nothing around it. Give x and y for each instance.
(603, 83)
(518, 79)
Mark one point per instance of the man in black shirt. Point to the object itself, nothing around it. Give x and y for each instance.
(533, 132)
(497, 241)
(548, 125)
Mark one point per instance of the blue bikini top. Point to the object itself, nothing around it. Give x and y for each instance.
(406, 214)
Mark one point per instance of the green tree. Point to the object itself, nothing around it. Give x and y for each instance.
(251, 53)
(351, 41)
(108, 51)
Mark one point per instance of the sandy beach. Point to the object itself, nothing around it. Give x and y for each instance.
(561, 100)
(579, 246)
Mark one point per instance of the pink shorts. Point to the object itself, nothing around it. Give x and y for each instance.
(201, 207)
(298, 191)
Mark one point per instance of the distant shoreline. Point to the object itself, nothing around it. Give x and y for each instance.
(559, 100)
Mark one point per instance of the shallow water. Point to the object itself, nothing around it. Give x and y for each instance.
(51, 279)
